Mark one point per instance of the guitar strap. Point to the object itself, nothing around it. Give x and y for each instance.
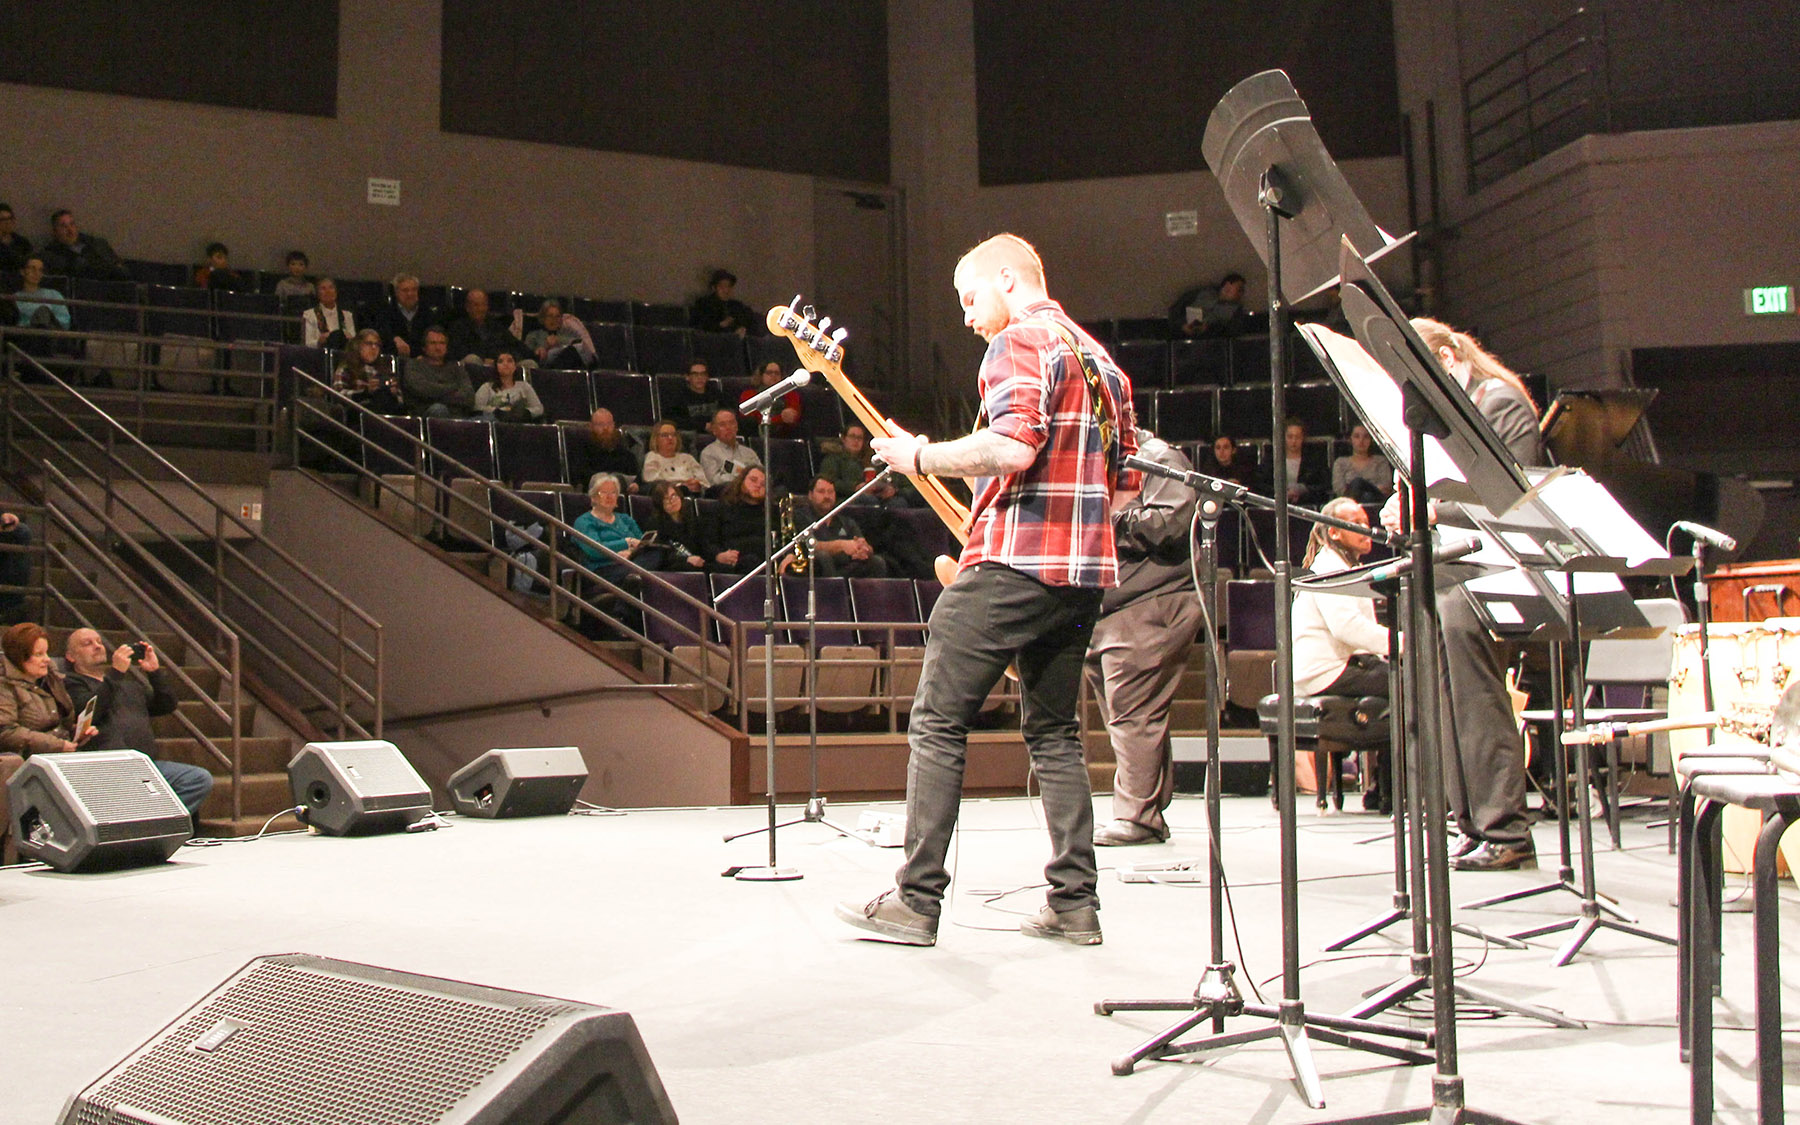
(1103, 415)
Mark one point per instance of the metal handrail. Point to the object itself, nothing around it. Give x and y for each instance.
(555, 528)
(1512, 75)
(143, 308)
(227, 669)
(369, 660)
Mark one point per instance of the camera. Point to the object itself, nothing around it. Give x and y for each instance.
(137, 652)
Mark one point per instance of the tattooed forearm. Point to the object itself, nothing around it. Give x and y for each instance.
(982, 454)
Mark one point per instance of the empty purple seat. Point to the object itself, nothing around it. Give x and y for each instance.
(464, 440)
(386, 446)
(568, 396)
(790, 463)
(664, 600)
(112, 292)
(1203, 362)
(928, 589)
(722, 352)
(1244, 411)
(886, 601)
(1146, 361)
(1319, 406)
(159, 273)
(777, 349)
(1250, 609)
(255, 317)
(664, 316)
(612, 344)
(184, 310)
(831, 605)
(822, 411)
(1186, 415)
(627, 395)
(592, 310)
(662, 349)
(528, 452)
(745, 606)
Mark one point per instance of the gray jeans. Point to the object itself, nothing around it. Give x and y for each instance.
(989, 616)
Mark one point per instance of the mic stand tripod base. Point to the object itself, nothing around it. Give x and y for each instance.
(762, 874)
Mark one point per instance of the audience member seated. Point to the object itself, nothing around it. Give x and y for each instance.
(1308, 471)
(849, 464)
(326, 325)
(127, 703)
(14, 247)
(35, 711)
(360, 375)
(15, 567)
(603, 449)
(1363, 476)
(1220, 313)
(34, 305)
(295, 285)
(667, 461)
(1224, 462)
(725, 457)
(693, 404)
(676, 528)
(1339, 647)
(841, 549)
(216, 271)
(735, 535)
(718, 311)
(432, 385)
(560, 340)
(477, 338)
(785, 423)
(504, 397)
(71, 253)
(614, 529)
(402, 322)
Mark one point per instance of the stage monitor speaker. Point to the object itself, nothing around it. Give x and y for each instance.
(357, 788)
(95, 810)
(529, 781)
(299, 1038)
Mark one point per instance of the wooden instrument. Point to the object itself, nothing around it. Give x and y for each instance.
(824, 354)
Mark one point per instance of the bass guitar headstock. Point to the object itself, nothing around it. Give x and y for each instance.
(818, 351)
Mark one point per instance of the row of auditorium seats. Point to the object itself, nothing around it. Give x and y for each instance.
(1202, 413)
(522, 453)
(1222, 362)
(572, 395)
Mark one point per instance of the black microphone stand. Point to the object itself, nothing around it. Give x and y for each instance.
(815, 804)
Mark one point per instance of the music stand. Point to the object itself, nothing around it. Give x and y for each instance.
(1262, 148)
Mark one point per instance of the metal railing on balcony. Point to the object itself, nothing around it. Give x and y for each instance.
(1537, 98)
(311, 641)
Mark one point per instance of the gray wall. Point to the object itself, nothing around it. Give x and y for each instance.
(161, 179)
(1613, 242)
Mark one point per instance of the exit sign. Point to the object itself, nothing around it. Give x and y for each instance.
(1769, 300)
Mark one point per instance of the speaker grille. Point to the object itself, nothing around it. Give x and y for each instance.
(113, 794)
(378, 771)
(306, 1046)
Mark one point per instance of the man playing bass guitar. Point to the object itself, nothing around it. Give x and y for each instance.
(1047, 469)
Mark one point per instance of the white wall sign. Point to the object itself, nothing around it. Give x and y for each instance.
(386, 192)
(1179, 223)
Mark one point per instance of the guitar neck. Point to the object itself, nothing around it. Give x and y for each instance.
(951, 510)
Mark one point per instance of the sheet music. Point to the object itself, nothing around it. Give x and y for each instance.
(1378, 398)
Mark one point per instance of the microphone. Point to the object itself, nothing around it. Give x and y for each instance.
(1710, 536)
(1394, 568)
(767, 398)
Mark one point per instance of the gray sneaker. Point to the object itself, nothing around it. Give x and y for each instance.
(1080, 926)
(891, 919)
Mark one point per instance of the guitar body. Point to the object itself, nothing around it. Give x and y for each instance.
(947, 569)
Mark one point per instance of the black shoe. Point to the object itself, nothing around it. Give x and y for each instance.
(1489, 856)
(1080, 926)
(891, 919)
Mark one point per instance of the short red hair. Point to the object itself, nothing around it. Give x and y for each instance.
(20, 639)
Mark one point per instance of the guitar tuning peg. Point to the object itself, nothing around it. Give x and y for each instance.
(794, 305)
(824, 324)
(809, 312)
(838, 336)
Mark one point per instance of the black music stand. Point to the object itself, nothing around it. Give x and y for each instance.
(1261, 146)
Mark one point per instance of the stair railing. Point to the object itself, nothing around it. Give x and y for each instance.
(339, 669)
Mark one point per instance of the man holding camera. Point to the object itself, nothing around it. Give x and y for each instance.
(128, 700)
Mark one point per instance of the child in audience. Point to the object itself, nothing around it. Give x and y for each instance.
(296, 283)
(505, 397)
(216, 271)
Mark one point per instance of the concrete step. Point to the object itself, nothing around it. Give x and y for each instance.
(203, 718)
(265, 794)
(261, 755)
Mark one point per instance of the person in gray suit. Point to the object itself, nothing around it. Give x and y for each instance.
(1484, 762)
(1139, 647)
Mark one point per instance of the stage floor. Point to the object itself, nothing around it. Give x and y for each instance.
(757, 1005)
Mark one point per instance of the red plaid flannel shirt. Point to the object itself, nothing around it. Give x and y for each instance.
(1053, 520)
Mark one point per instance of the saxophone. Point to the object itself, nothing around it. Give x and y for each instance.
(802, 557)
